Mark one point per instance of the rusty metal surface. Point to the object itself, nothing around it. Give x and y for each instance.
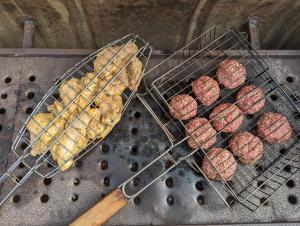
(9, 92)
(92, 23)
(73, 192)
(29, 34)
(41, 52)
(253, 25)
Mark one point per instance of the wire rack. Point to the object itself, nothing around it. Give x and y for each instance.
(44, 164)
(252, 185)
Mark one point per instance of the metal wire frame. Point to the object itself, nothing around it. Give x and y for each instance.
(174, 75)
(73, 101)
(163, 155)
(181, 85)
(245, 174)
(276, 178)
(191, 161)
(38, 164)
(145, 99)
(196, 46)
(268, 186)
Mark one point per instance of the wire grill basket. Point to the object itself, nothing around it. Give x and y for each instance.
(251, 185)
(116, 58)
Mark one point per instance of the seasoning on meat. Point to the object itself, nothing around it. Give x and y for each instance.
(274, 128)
(250, 99)
(206, 90)
(226, 117)
(247, 147)
(183, 107)
(36, 125)
(201, 133)
(111, 60)
(231, 74)
(219, 164)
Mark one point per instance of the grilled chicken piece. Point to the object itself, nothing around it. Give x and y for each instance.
(97, 129)
(91, 85)
(69, 89)
(116, 87)
(57, 107)
(108, 115)
(108, 127)
(119, 57)
(87, 126)
(134, 72)
(131, 78)
(37, 124)
(75, 137)
(84, 119)
(111, 107)
(68, 145)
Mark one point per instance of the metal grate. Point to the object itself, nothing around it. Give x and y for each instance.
(44, 164)
(79, 70)
(174, 76)
(194, 201)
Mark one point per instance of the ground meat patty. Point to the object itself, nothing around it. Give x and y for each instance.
(206, 90)
(247, 147)
(250, 99)
(202, 134)
(183, 107)
(274, 128)
(231, 74)
(226, 117)
(219, 164)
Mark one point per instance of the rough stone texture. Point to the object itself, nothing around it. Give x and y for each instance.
(166, 24)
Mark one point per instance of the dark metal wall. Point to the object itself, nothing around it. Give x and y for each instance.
(167, 24)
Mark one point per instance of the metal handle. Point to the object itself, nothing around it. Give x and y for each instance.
(131, 196)
(154, 115)
(9, 174)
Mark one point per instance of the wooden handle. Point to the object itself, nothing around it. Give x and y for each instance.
(103, 210)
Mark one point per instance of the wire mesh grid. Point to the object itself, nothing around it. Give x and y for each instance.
(252, 185)
(23, 143)
(60, 123)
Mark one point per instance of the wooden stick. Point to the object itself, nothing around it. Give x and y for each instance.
(103, 210)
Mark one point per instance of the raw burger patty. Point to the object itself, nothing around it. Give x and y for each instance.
(202, 134)
(274, 128)
(250, 99)
(231, 74)
(219, 163)
(206, 90)
(226, 117)
(183, 107)
(247, 147)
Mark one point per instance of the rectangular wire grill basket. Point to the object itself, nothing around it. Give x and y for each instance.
(252, 185)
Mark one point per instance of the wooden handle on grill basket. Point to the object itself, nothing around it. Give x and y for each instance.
(103, 210)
